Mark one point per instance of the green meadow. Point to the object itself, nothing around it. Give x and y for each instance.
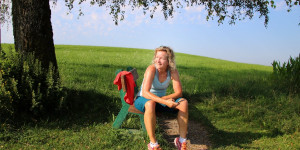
(235, 102)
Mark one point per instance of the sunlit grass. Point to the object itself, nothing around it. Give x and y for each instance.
(234, 101)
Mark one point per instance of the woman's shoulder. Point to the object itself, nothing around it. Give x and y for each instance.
(174, 74)
(174, 71)
(151, 68)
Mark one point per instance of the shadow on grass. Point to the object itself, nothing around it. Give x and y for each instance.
(87, 107)
(83, 108)
(220, 138)
(80, 109)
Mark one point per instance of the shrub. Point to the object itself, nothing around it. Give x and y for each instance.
(287, 76)
(27, 89)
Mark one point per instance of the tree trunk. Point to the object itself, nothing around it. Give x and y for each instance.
(32, 29)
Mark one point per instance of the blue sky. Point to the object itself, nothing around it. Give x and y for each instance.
(247, 41)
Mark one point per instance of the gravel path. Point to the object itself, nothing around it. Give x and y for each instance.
(197, 135)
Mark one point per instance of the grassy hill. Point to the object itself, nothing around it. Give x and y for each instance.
(234, 101)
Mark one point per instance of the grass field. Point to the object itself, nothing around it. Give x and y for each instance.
(234, 101)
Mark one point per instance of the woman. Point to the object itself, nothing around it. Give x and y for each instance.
(152, 96)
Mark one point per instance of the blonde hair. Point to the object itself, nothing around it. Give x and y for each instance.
(170, 55)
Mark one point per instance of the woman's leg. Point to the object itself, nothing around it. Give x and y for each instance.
(150, 119)
(182, 117)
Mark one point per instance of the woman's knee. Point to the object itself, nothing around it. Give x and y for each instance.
(150, 106)
(183, 104)
(183, 101)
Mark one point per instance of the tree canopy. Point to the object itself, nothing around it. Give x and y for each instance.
(232, 10)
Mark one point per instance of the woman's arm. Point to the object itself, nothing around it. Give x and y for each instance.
(176, 86)
(147, 83)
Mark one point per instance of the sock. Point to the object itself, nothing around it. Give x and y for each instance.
(152, 145)
(181, 140)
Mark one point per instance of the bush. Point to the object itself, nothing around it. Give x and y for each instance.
(287, 76)
(27, 89)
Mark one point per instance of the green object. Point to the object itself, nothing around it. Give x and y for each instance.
(124, 110)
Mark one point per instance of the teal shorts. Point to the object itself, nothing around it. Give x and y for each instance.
(140, 102)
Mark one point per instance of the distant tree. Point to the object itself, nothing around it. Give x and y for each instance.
(32, 27)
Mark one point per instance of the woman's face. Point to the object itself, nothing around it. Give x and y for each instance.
(161, 60)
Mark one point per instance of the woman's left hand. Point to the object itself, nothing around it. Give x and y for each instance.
(171, 99)
(171, 103)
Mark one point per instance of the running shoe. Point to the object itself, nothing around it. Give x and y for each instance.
(180, 146)
(154, 148)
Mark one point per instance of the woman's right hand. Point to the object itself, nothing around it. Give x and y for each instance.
(171, 103)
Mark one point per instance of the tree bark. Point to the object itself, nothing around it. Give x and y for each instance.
(32, 29)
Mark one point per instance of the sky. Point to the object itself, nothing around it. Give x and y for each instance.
(188, 31)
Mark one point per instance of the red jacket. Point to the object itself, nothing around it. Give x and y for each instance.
(130, 84)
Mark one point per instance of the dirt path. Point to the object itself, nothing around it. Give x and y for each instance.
(197, 135)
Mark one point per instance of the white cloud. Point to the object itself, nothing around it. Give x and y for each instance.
(139, 19)
(87, 24)
(193, 9)
(97, 21)
(280, 5)
(69, 30)
(94, 16)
